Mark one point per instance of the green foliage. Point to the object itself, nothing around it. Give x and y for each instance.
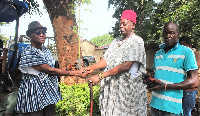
(33, 6)
(2, 23)
(76, 100)
(185, 14)
(102, 40)
(4, 39)
(83, 1)
(152, 16)
(146, 27)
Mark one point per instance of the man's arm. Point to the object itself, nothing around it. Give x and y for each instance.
(119, 69)
(59, 72)
(116, 70)
(101, 64)
(197, 55)
(191, 82)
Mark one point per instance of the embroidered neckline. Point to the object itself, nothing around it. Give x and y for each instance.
(120, 42)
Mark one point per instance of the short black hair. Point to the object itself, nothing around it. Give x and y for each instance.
(170, 22)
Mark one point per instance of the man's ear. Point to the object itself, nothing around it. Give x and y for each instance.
(178, 34)
(133, 26)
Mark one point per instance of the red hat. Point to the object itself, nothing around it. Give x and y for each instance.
(130, 15)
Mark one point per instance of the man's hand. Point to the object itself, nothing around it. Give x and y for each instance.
(89, 69)
(82, 73)
(94, 80)
(83, 70)
(159, 85)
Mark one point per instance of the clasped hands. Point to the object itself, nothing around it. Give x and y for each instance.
(93, 79)
(84, 72)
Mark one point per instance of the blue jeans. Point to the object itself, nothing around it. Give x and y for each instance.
(156, 112)
(188, 102)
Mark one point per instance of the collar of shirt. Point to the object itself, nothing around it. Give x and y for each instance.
(163, 45)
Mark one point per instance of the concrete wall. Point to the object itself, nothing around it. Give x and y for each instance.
(87, 48)
(150, 52)
(98, 53)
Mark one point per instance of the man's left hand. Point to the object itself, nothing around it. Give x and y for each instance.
(159, 86)
(94, 80)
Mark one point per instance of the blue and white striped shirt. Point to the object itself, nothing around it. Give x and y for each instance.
(37, 89)
(172, 67)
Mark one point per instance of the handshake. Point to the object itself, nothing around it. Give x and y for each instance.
(82, 72)
(85, 71)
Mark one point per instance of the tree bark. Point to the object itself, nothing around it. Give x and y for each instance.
(63, 21)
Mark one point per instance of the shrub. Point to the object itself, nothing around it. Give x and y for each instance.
(76, 100)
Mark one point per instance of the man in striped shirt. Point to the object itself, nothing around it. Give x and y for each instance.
(175, 70)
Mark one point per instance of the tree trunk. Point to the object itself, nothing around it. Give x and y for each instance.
(63, 21)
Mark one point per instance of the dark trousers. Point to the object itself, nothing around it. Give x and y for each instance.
(156, 112)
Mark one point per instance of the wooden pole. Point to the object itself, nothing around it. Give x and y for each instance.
(91, 98)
